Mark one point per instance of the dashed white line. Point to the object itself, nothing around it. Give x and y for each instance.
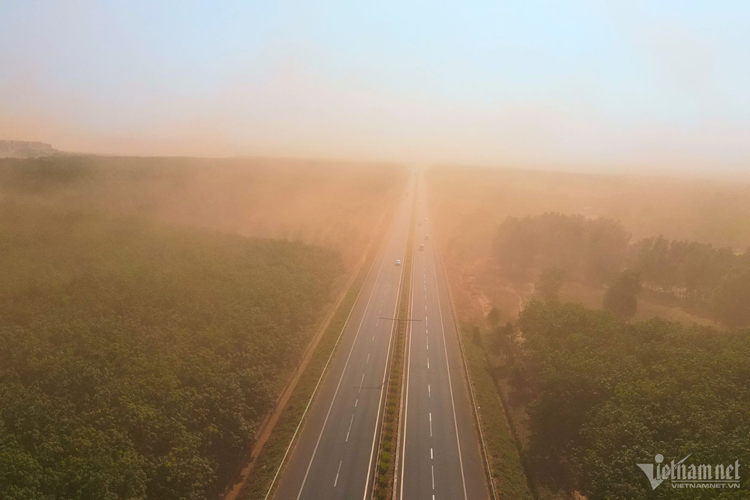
(429, 392)
(361, 382)
(337, 474)
(430, 424)
(368, 358)
(433, 478)
(431, 455)
(428, 362)
(356, 402)
(350, 428)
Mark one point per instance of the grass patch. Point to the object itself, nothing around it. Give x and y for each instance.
(506, 465)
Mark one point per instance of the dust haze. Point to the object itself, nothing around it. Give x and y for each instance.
(220, 225)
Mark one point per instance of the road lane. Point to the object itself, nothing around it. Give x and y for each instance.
(440, 456)
(334, 457)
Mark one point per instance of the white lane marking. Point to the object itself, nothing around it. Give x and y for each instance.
(428, 362)
(406, 402)
(433, 478)
(430, 424)
(383, 384)
(337, 474)
(359, 328)
(350, 428)
(368, 358)
(356, 402)
(431, 455)
(450, 383)
(428, 344)
(429, 391)
(361, 382)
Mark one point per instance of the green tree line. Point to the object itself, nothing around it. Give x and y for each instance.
(598, 250)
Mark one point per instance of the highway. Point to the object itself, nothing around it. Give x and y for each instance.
(440, 455)
(335, 455)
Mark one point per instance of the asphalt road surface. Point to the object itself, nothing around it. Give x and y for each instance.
(440, 457)
(336, 452)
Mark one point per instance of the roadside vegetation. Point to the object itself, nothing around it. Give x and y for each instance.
(506, 465)
(138, 359)
(694, 275)
(603, 395)
(153, 309)
(658, 361)
(328, 204)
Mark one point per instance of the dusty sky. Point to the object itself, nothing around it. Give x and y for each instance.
(583, 83)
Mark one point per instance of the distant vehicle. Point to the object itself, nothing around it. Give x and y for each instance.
(421, 247)
(398, 262)
(426, 236)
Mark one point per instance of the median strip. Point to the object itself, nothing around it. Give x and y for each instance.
(385, 472)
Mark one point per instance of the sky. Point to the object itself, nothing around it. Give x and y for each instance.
(599, 84)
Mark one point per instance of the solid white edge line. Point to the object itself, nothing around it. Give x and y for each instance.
(322, 374)
(385, 369)
(359, 328)
(450, 383)
(406, 404)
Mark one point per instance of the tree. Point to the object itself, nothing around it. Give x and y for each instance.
(732, 300)
(493, 317)
(621, 297)
(504, 341)
(550, 282)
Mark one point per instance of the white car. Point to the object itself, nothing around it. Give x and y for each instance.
(398, 262)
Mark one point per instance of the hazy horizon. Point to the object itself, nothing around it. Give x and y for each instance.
(586, 86)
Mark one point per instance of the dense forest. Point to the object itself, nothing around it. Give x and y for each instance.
(598, 250)
(604, 395)
(138, 358)
(329, 204)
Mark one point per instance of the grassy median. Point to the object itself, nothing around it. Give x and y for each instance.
(387, 451)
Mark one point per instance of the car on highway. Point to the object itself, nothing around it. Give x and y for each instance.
(398, 262)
